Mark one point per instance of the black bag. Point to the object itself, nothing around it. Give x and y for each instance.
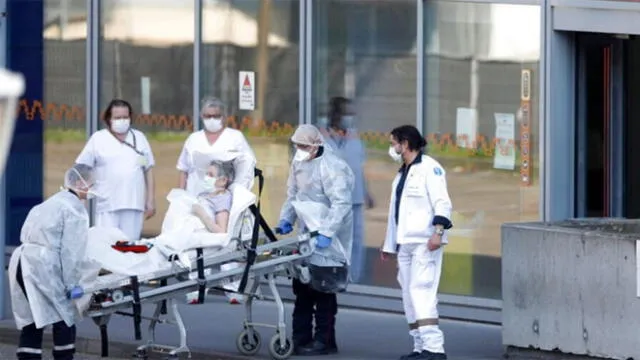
(329, 279)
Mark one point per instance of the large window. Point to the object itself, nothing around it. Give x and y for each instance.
(261, 37)
(481, 117)
(64, 79)
(366, 51)
(147, 59)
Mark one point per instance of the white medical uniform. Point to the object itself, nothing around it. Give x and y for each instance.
(231, 144)
(120, 178)
(424, 196)
(197, 153)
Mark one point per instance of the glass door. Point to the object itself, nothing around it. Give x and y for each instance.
(600, 126)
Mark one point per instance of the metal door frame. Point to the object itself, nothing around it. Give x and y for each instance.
(615, 158)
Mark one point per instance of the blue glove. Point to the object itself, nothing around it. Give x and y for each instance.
(322, 241)
(75, 293)
(284, 227)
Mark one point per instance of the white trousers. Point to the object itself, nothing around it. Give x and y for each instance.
(129, 221)
(419, 276)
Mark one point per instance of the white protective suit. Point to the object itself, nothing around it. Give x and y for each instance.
(424, 196)
(328, 181)
(52, 253)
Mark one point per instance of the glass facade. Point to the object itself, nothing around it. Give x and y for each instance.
(481, 122)
(476, 98)
(62, 107)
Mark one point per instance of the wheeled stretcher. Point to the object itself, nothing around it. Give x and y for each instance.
(125, 295)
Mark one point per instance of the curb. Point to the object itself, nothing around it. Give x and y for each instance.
(117, 349)
(512, 352)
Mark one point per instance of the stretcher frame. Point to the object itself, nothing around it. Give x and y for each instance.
(285, 258)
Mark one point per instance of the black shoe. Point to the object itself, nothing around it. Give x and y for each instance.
(316, 348)
(428, 355)
(413, 355)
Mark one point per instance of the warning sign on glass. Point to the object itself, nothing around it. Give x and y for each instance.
(247, 90)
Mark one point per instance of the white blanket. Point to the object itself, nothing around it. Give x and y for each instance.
(181, 231)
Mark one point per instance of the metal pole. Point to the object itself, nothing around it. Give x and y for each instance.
(308, 78)
(302, 45)
(197, 47)
(3, 199)
(420, 98)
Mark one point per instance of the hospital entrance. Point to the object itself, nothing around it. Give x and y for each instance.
(607, 126)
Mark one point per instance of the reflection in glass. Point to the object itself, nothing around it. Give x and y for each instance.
(365, 52)
(261, 37)
(147, 59)
(481, 102)
(65, 37)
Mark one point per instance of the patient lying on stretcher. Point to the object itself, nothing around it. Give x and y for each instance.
(217, 198)
(208, 221)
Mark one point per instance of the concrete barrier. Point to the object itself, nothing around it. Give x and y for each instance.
(571, 287)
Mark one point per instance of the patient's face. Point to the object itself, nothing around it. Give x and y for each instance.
(221, 182)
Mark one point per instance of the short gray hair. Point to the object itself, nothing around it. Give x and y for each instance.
(213, 102)
(225, 169)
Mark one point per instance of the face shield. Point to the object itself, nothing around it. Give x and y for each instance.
(11, 88)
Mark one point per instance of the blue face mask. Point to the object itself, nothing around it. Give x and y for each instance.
(348, 122)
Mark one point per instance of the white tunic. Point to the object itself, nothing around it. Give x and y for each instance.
(120, 169)
(197, 153)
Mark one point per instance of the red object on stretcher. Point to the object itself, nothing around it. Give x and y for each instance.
(125, 246)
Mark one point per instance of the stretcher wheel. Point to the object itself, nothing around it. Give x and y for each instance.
(305, 249)
(246, 345)
(117, 295)
(278, 351)
(141, 354)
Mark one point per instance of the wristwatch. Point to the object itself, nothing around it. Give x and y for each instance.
(440, 231)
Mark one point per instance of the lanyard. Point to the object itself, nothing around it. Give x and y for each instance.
(133, 147)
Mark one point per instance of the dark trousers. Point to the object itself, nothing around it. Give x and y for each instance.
(30, 346)
(309, 304)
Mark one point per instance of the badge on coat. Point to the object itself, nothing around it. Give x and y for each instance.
(438, 171)
(142, 161)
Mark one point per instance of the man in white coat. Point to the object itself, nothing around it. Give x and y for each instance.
(45, 270)
(419, 214)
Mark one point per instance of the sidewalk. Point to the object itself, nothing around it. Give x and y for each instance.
(214, 326)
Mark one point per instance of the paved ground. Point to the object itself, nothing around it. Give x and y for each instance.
(8, 351)
(214, 326)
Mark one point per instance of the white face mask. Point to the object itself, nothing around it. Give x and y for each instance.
(209, 183)
(212, 124)
(120, 126)
(301, 155)
(394, 154)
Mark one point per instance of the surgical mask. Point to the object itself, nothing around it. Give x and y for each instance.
(348, 121)
(301, 155)
(120, 126)
(212, 124)
(209, 183)
(397, 157)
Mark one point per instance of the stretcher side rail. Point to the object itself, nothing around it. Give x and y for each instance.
(280, 263)
(209, 261)
(163, 295)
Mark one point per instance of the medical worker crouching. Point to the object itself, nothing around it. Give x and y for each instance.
(319, 177)
(216, 142)
(123, 162)
(45, 271)
(419, 214)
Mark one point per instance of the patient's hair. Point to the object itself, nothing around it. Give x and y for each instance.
(224, 169)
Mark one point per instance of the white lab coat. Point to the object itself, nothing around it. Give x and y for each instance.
(424, 196)
(197, 153)
(119, 169)
(52, 253)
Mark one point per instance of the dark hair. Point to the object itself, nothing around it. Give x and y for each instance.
(336, 110)
(116, 103)
(411, 135)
